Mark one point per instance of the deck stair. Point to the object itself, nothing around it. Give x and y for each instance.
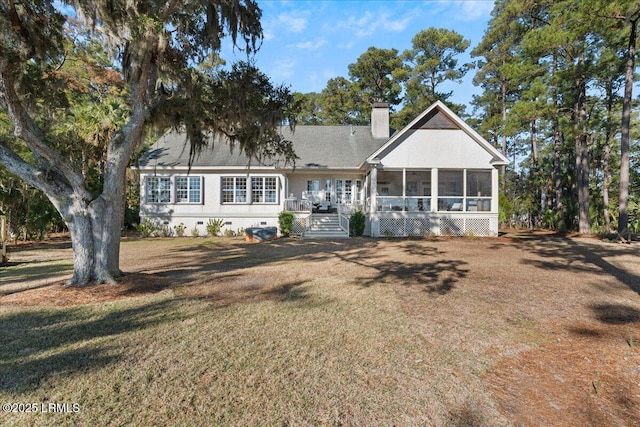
(325, 226)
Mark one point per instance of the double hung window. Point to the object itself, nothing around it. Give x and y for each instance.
(264, 189)
(158, 189)
(234, 189)
(188, 189)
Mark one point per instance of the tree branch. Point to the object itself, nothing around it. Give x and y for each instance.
(25, 129)
(31, 175)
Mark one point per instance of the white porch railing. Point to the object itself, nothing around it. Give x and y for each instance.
(295, 205)
(344, 214)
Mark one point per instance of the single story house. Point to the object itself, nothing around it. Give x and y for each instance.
(437, 176)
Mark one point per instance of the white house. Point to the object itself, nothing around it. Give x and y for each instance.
(436, 176)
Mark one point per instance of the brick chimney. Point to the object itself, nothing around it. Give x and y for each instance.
(380, 120)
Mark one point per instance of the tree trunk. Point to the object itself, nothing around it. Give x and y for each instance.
(557, 160)
(533, 176)
(582, 150)
(623, 206)
(606, 158)
(503, 89)
(557, 178)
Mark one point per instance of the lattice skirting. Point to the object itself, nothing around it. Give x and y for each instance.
(444, 226)
(402, 227)
(299, 225)
(452, 226)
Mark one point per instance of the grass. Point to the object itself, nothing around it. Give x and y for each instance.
(361, 332)
(323, 355)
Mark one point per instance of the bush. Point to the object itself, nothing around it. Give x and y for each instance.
(285, 220)
(147, 228)
(229, 233)
(180, 228)
(214, 226)
(164, 231)
(357, 223)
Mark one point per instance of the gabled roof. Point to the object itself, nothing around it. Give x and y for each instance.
(437, 116)
(335, 147)
(318, 147)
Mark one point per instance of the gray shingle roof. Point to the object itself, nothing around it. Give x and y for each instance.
(316, 146)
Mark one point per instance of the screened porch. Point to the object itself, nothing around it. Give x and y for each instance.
(431, 190)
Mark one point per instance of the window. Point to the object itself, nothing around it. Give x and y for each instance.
(234, 189)
(188, 189)
(313, 185)
(264, 189)
(358, 191)
(348, 190)
(158, 189)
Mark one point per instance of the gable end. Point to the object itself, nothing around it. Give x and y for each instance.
(435, 119)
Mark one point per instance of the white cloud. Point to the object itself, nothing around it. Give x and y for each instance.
(283, 69)
(285, 22)
(294, 21)
(467, 10)
(311, 44)
(369, 23)
(477, 9)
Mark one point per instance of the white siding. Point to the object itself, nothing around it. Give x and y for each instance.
(438, 148)
(241, 215)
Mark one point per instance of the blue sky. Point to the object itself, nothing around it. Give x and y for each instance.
(306, 43)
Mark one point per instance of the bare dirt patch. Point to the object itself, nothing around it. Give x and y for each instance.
(549, 324)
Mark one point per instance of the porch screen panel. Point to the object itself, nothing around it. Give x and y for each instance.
(418, 190)
(479, 183)
(450, 190)
(390, 191)
(478, 190)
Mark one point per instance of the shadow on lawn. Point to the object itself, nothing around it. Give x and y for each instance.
(37, 345)
(563, 253)
(15, 273)
(424, 267)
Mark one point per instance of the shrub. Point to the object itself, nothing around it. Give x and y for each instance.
(195, 232)
(164, 231)
(180, 228)
(229, 233)
(285, 220)
(147, 228)
(357, 222)
(214, 226)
